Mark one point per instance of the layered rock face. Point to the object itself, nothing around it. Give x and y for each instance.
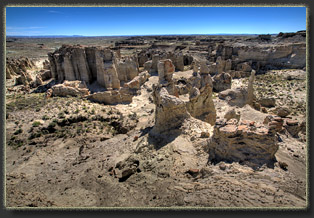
(16, 66)
(246, 142)
(90, 64)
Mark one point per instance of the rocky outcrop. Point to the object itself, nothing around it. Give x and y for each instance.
(165, 73)
(234, 97)
(267, 102)
(245, 142)
(221, 82)
(170, 111)
(274, 122)
(138, 81)
(91, 64)
(127, 68)
(293, 127)
(200, 104)
(24, 79)
(250, 89)
(68, 88)
(123, 95)
(177, 60)
(289, 55)
(45, 74)
(15, 66)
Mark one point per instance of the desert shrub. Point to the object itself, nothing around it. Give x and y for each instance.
(36, 124)
(45, 117)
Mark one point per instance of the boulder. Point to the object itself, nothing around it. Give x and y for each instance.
(293, 127)
(234, 97)
(283, 111)
(267, 102)
(138, 80)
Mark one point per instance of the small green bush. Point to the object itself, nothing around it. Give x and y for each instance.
(36, 124)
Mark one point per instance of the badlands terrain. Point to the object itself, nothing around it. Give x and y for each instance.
(157, 121)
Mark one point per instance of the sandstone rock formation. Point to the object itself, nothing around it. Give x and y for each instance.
(92, 63)
(221, 82)
(127, 68)
(24, 79)
(293, 127)
(45, 74)
(123, 95)
(165, 73)
(250, 89)
(246, 142)
(16, 66)
(234, 97)
(137, 81)
(68, 88)
(200, 104)
(170, 111)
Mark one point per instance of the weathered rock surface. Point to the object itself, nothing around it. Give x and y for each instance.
(250, 89)
(234, 97)
(267, 102)
(92, 63)
(246, 142)
(170, 111)
(293, 127)
(24, 79)
(123, 95)
(16, 66)
(127, 68)
(68, 88)
(201, 105)
(221, 82)
(45, 74)
(137, 81)
(283, 111)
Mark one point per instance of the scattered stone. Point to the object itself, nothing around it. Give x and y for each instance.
(283, 111)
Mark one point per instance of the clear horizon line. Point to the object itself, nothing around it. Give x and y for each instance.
(170, 34)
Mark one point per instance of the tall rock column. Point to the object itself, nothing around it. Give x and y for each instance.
(250, 89)
(165, 73)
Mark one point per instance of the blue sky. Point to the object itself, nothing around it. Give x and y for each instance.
(106, 21)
